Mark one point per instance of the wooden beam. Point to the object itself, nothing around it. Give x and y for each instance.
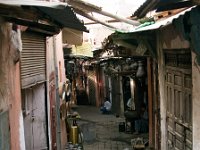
(128, 21)
(81, 5)
(34, 25)
(17, 12)
(107, 21)
(151, 50)
(125, 44)
(133, 36)
(150, 101)
(82, 13)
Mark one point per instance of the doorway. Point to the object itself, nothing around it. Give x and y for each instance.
(34, 113)
(179, 99)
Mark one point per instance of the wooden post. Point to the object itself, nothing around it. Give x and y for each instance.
(88, 7)
(82, 13)
(150, 101)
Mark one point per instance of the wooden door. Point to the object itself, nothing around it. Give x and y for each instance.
(35, 124)
(179, 100)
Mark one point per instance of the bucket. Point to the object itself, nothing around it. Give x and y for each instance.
(73, 134)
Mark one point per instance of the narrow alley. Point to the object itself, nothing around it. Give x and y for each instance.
(99, 75)
(101, 131)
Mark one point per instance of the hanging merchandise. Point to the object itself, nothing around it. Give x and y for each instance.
(140, 71)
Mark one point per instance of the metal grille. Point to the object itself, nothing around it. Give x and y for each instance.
(179, 100)
(33, 59)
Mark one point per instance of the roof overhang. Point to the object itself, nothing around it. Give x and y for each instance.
(162, 22)
(160, 5)
(146, 35)
(47, 16)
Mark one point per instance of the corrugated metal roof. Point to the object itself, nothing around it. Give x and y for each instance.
(161, 23)
(59, 12)
(147, 6)
(161, 5)
(33, 3)
(65, 17)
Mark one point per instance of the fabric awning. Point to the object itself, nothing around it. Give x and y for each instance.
(60, 13)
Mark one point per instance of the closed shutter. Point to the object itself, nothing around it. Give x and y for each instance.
(33, 59)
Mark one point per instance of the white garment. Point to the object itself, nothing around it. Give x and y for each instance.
(108, 105)
(131, 104)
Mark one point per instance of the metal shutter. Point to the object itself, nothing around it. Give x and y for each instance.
(33, 59)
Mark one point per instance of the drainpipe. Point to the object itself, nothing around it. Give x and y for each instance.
(58, 130)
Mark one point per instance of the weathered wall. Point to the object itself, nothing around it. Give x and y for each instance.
(61, 79)
(55, 43)
(51, 93)
(172, 39)
(196, 102)
(167, 38)
(10, 97)
(60, 57)
(163, 103)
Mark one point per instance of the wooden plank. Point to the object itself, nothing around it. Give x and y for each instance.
(150, 102)
(162, 87)
(18, 12)
(47, 29)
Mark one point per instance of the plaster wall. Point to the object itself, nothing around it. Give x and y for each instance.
(55, 43)
(172, 39)
(50, 91)
(196, 102)
(10, 97)
(60, 57)
(61, 79)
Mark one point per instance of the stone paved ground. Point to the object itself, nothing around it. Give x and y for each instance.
(101, 131)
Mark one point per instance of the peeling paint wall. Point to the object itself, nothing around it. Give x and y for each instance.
(196, 102)
(10, 97)
(55, 43)
(51, 93)
(172, 39)
(61, 79)
(60, 57)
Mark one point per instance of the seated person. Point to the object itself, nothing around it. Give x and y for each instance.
(141, 125)
(106, 108)
(130, 104)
